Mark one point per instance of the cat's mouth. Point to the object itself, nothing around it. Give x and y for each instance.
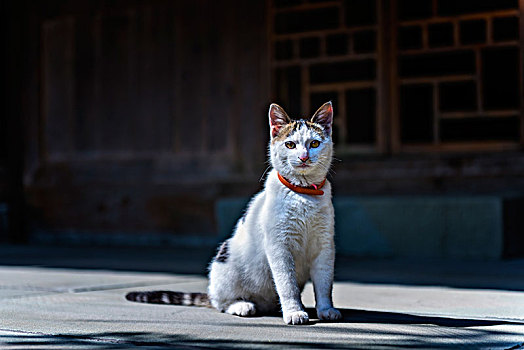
(303, 168)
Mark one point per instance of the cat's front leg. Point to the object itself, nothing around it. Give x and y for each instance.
(283, 270)
(322, 270)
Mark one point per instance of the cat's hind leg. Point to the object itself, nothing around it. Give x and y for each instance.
(225, 290)
(242, 308)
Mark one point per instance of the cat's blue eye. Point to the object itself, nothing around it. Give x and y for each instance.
(290, 144)
(314, 144)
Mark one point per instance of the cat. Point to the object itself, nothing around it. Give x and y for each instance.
(284, 238)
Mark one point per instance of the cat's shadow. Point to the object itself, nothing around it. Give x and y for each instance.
(397, 318)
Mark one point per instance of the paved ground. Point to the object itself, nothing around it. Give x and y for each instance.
(59, 298)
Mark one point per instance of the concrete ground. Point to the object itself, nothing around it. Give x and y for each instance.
(73, 298)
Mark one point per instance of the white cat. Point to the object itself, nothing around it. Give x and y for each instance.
(285, 237)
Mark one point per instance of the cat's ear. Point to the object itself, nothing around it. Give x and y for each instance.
(277, 118)
(324, 117)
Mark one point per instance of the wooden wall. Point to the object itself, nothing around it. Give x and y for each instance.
(146, 112)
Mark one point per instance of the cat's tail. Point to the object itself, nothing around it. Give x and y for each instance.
(170, 297)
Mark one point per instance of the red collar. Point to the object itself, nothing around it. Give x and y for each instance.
(313, 189)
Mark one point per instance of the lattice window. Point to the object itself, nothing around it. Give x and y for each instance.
(459, 76)
(404, 75)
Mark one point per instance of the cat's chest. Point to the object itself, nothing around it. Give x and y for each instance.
(301, 214)
(303, 221)
(290, 212)
(303, 207)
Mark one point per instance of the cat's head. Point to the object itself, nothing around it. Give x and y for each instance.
(301, 150)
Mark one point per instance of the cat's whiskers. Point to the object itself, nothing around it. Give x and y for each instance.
(328, 169)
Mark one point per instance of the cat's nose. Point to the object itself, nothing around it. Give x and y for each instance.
(303, 157)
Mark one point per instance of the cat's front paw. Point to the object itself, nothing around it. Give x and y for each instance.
(242, 308)
(330, 314)
(296, 317)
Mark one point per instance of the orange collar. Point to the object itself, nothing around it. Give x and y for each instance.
(313, 189)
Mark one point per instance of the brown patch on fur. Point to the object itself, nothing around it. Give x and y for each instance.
(290, 128)
(285, 131)
(316, 128)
